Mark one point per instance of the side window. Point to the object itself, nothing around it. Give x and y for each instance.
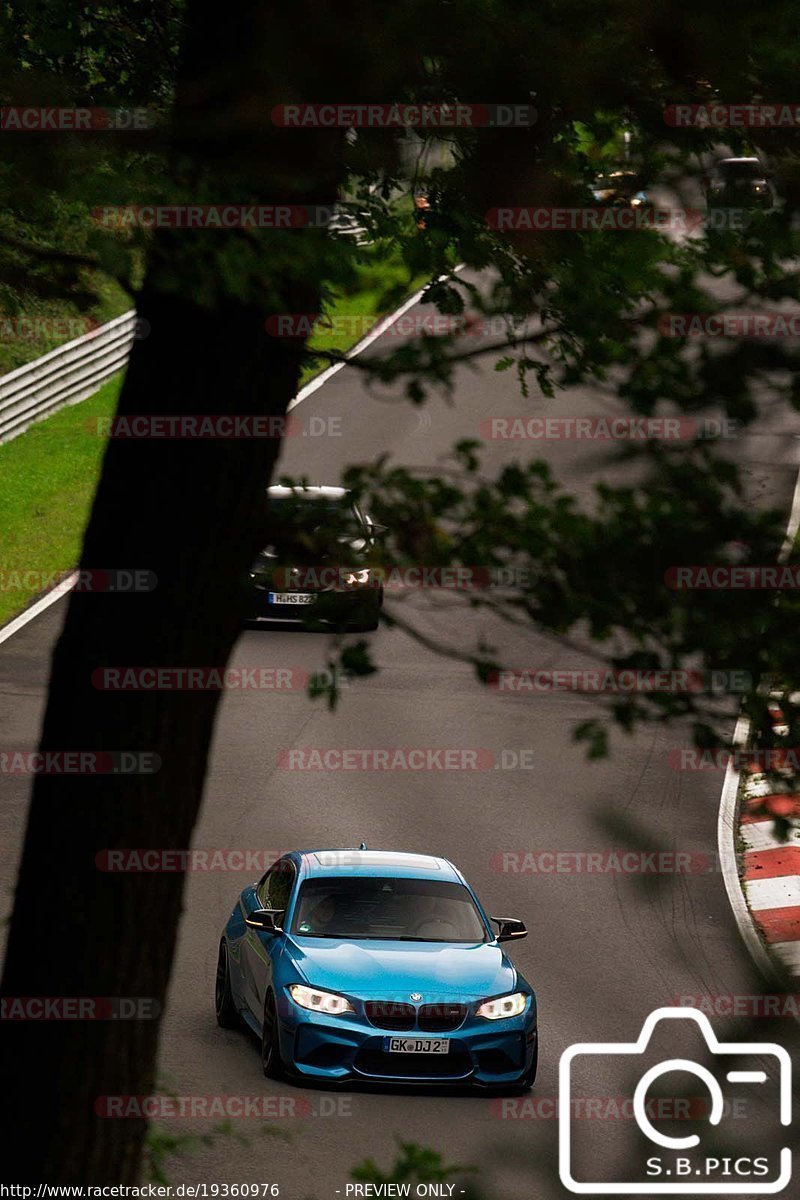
(275, 890)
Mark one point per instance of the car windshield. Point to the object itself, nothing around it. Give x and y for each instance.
(293, 518)
(741, 170)
(387, 909)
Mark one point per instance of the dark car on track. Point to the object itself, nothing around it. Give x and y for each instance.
(319, 568)
(740, 182)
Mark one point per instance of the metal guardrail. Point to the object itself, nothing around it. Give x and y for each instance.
(77, 369)
(65, 375)
(346, 224)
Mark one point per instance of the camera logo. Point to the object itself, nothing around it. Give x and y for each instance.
(675, 1171)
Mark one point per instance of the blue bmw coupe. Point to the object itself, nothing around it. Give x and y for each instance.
(370, 965)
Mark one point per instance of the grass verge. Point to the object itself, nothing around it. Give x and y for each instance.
(47, 479)
(41, 325)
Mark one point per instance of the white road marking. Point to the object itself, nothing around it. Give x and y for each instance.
(55, 593)
(382, 324)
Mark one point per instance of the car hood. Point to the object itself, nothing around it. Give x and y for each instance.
(392, 970)
(289, 548)
(290, 560)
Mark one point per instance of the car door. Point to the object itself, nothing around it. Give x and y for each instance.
(261, 949)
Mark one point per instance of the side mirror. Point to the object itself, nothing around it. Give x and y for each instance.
(265, 920)
(510, 929)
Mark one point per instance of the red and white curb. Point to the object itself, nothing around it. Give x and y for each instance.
(761, 872)
(771, 868)
(765, 897)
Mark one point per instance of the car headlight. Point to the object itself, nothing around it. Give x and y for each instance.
(319, 1001)
(502, 1006)
(353, 578)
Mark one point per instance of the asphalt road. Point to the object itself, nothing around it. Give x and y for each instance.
(604, 950)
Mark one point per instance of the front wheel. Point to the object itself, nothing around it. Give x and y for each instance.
(227, 1016)
(271, 1061)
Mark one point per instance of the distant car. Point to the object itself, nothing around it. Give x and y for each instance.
(318, 567)
(422, 210)
(376, 966)
(740, 182)
(622, 188)
(429, 209)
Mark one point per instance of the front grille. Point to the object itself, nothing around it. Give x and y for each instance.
(413, 1066)
(387, 1014)
(438, 1018)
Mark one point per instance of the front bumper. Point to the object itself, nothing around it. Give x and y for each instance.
(481, 1052)
(349, 605)
(740, 200)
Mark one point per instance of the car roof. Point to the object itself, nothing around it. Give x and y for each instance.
(727, 162)
(346, 861)
(279, 490)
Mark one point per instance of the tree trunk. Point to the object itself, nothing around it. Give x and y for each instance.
(191, 511)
